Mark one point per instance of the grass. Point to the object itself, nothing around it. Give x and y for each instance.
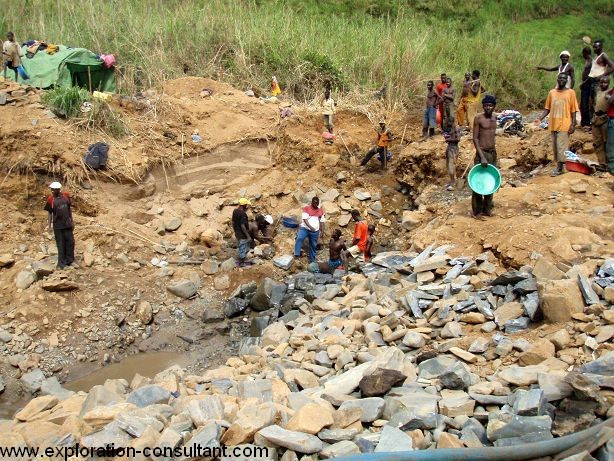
(358, 45)
(65, 102)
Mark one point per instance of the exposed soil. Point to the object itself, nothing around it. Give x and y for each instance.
(157, 173)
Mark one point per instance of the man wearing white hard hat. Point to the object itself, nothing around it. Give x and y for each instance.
(259, 229)
(564, 68)
(59, 211)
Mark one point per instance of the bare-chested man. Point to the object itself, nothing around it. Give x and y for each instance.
(461, 112)
(336, 254)
(430, 112)
(484, 128)
(448, 104)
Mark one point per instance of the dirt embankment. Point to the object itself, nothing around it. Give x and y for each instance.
(158, 173)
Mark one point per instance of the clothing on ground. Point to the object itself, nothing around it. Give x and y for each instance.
(60, 209)
(561, 104)
(482, 204)
(239, 217)
(356, 253)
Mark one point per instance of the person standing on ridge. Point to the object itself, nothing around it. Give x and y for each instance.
(600, 124)
(461, 111)
(275, 89)
(430, 112)
(473, 98)
(384, 137)
(484, 130)
(564, 68)
(586, 89)
(58, 207)
(447, 96)
(442, 85)
(11, 54)
(562, 106)
(328, 110)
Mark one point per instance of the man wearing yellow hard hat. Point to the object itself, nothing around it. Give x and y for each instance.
(240, 225)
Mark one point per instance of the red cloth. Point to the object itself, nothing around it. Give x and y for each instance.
(361, 232)
(440, 87)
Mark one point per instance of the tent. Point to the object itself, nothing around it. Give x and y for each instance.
(68, 67)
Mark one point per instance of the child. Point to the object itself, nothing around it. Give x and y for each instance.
(370, 240)
(452, 137)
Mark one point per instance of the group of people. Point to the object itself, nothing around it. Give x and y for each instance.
(249, 232)
(596, 106)
(311, 229)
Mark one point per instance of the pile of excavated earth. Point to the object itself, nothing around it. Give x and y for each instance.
(459, 333)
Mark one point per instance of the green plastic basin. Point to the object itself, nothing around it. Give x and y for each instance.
(484, 180)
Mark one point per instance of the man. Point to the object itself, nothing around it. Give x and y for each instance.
(328, 109)
(11, 54)
(370, 241)
(484, 128)
(259, 229)
(383, 142)
(564, 68)
(448, 105)
(240, 225)
(430, 112)
(337, 256)
(562, 106)
(602, 66)
(586, 89)
(452, 137)
(609, 148)
(600, 124)
(275, 89)
(439, 88)
(312, 227)
(473, 98)
(361, 234)
(59, 211)
(461, 112)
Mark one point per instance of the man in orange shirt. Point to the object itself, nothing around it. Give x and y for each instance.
(358, 248)
(384, 136)
(562, 106)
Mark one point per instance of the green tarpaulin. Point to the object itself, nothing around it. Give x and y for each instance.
(68, 67)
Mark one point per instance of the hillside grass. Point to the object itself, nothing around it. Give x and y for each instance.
(358, 45)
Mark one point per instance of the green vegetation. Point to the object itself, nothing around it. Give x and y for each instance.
(356, 44)
(66, 102)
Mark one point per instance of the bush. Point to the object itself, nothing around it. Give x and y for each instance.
(65, 102)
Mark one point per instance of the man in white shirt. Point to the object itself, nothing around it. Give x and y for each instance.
(312, 227)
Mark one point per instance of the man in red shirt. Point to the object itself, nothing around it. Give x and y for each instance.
(58, 207)
(442, 85)
(312, 227)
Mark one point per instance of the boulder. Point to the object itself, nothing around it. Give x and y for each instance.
(24, 279)
(372, 407)
(539, 351)
(296, 441)
(183, 288)
(33, 380)
(380, 382)
(144, 312)
(275, 334)
(411, 219)
(560, 299)
(393, 439)
(173, 224)
(148, 395)
(311, 418)
(61, 284)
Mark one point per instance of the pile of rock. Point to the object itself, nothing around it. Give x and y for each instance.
(424, 352)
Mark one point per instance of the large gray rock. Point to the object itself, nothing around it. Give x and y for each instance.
(456, 377)
(136, 422)
(297, 441)
(111, 434)
(516, 426)
(33, 380)
(604, 365)
(343, 448)
(419, 403)
(24, 279)
(148, 395)
(183, 288)
(43, 268)
(205, 437)
(435, 367)
(266, 294)
(235, 306)
(51, 386)
(393, 439)
(173, 224)
(372, 408)
(100, 396)
(203, 410)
